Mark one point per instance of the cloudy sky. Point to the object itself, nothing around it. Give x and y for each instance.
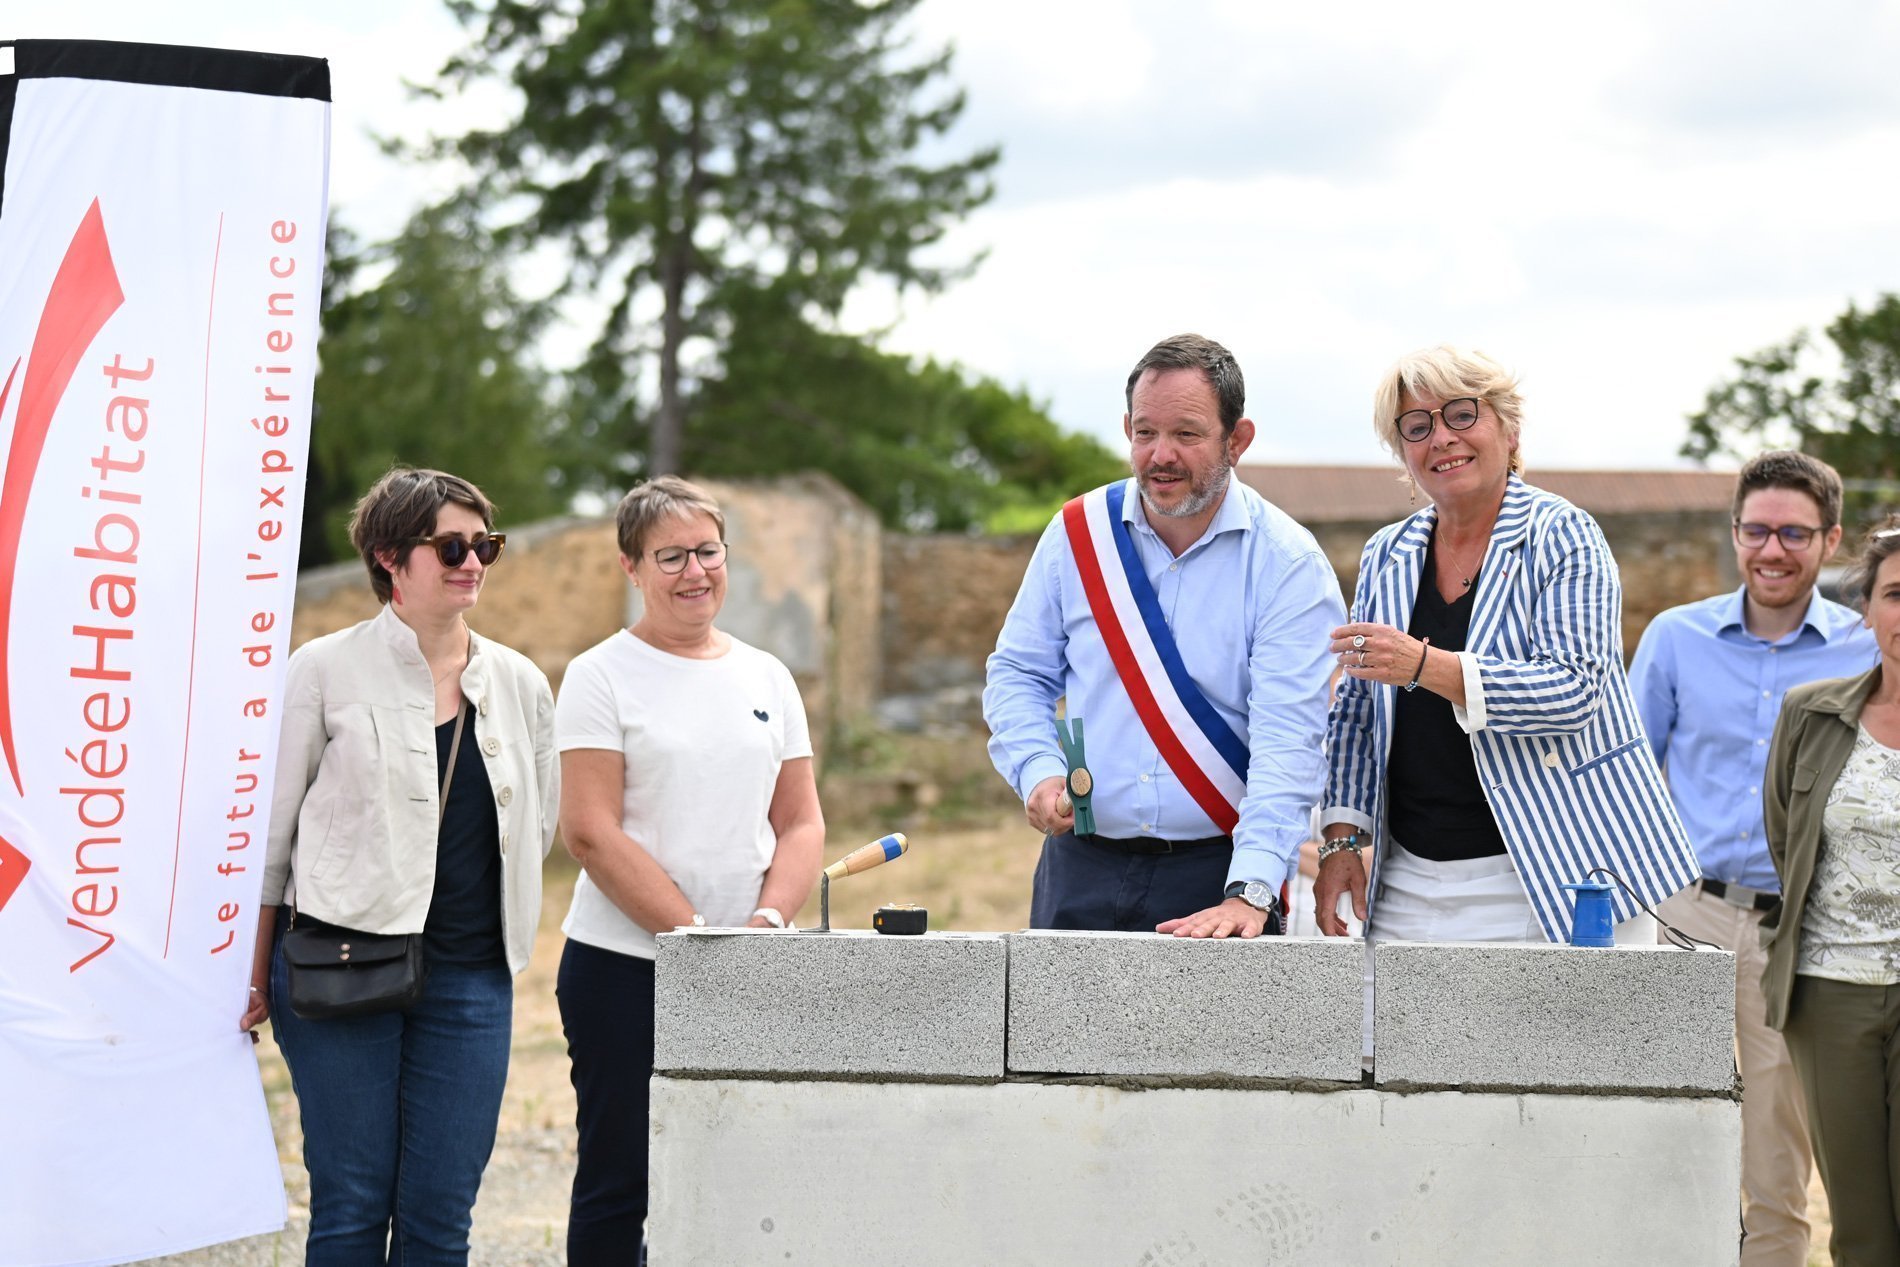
(1616, 199)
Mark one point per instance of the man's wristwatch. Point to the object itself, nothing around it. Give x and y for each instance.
(1254, 894)
(1357, 842)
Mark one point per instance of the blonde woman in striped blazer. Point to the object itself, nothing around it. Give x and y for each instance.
(1484, 742)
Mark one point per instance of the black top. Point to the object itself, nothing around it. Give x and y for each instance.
(1437, 808)
(464, 924)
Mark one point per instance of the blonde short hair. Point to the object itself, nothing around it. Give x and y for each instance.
(658, 500)
(1447, 373)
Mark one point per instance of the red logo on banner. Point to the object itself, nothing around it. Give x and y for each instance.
(85, 293)
(13, 868)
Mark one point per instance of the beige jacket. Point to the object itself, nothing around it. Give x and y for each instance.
(353, 814)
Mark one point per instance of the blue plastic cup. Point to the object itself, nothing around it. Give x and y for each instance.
(1592, 923)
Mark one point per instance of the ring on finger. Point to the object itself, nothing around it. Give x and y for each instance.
(1358, 641)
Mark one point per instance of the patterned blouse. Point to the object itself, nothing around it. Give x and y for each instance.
(1851, 929)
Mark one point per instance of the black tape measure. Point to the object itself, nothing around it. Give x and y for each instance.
(901, 919)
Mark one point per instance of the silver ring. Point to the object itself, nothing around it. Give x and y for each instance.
(1358, 640)
(1362, 659)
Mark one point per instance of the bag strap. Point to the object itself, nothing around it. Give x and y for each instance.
(455, 746)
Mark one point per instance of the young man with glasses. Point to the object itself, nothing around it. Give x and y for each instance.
(1709, 677)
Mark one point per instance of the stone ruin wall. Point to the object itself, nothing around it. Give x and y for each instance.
(883, 626)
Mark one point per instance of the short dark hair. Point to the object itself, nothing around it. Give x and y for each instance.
(1216, 364)
(1799, 472)
(1881, 543)
(402, 506)
(646, 505)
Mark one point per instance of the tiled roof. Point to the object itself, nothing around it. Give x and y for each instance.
(1333, 494)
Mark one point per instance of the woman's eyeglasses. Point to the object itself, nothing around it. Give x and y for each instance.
(672, 560)
(1458, 415)
(454, 550)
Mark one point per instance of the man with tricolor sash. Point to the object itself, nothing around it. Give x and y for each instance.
(1182, 622)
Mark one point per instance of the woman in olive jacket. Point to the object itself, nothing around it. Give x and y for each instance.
(1832, 808)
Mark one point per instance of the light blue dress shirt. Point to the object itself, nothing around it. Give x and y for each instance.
(1709, 693)
(1251, 605)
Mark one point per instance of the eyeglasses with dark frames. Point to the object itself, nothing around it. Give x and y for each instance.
(1457, 415)
(1794, 537)
(453, 550)
(672, 560)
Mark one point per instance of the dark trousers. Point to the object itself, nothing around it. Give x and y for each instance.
(1845, 1043)
(1082, 883)
(606, 1003)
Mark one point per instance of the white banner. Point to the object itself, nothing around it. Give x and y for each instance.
(161, 259)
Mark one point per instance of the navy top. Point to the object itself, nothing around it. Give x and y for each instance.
(464, 923)
(1438, 808)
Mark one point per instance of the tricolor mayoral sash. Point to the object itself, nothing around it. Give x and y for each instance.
(1202, 750)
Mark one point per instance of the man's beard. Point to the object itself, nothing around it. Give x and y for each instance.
(1199, 496)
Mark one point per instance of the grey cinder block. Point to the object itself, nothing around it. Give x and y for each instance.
(849, 1003)
(1650, 1018)
(1137, 1003)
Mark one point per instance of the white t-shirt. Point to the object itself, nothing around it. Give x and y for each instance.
(703, 741)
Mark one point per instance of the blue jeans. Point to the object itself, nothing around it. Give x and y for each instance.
(399, 1114)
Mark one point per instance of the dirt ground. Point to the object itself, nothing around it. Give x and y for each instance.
(970, 878)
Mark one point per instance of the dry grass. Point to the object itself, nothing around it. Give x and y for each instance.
(971, 878)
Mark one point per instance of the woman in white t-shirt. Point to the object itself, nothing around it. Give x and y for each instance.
(688, 798)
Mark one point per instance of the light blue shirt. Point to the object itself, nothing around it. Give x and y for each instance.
(1251, 605)
(1709, 693)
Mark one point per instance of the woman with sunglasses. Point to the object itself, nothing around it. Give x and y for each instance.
(1831, 806)
(688, 801)
(1484, 742)
(416, 794)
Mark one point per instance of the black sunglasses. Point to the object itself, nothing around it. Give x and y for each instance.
(454, 550)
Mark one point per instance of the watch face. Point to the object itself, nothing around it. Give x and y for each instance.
(1256, 894)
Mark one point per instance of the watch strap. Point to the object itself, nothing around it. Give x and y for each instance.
(1239, 889)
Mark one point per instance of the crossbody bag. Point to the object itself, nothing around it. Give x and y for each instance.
(337, 972)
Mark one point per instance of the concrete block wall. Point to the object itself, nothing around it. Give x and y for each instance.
(850, 1003)
(1023, 1174)
(1052, 1098)
(1134, 1003)
(1648, 1018)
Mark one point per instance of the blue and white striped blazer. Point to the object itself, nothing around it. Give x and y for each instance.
(1554, 729)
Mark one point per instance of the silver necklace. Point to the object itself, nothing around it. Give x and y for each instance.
(1465, 575)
